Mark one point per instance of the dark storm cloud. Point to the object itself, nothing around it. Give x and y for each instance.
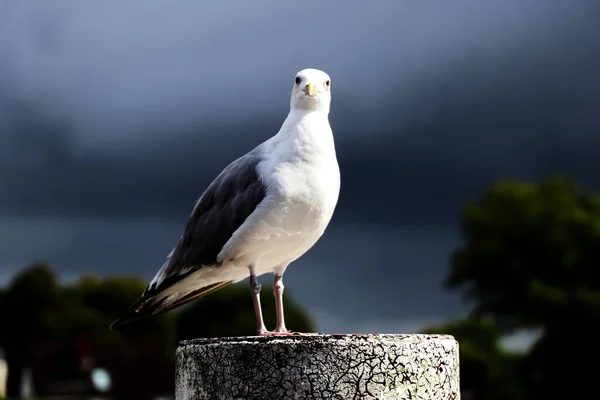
(116, 71)
(527, 114)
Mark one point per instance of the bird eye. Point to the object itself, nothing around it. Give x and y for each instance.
(298, 80)
(327, 83)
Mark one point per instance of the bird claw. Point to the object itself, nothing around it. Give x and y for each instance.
(276, 333)
(265, 333)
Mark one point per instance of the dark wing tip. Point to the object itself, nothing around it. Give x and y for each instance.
(117, 325)
(129, 316)
(125, 319)
(163, 306)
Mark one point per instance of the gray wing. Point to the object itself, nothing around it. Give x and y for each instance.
(221, 210)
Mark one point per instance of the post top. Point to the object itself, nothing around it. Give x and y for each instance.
(318, 337)
(319, 366)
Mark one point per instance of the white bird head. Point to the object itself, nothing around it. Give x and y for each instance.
(312, 91)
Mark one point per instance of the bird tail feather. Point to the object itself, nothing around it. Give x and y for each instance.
(144, 306)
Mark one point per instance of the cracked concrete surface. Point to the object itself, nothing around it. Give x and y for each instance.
(319, 367)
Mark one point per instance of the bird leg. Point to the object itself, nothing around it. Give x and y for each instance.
(255, 286)
(278, 293)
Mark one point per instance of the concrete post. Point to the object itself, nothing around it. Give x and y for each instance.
(319, 367)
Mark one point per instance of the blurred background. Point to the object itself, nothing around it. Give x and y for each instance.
(468, 137)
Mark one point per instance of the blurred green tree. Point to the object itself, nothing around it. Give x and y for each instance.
(99, 301)
(531, 259)
(29, 308)
(37, 309)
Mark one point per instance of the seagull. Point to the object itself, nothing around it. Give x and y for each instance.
(261, 213)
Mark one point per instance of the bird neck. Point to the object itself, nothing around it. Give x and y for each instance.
(305, 120)
(306, 134)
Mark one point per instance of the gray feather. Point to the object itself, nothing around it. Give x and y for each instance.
(221, 210)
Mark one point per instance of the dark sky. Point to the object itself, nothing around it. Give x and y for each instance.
(114, 118)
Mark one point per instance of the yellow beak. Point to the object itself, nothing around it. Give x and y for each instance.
(311, 90)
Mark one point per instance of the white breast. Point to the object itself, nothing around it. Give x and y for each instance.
(302, 172)
(303, 180)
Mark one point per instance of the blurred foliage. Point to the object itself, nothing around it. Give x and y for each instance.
(530, 259)
(43, 309)
(36, 308)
